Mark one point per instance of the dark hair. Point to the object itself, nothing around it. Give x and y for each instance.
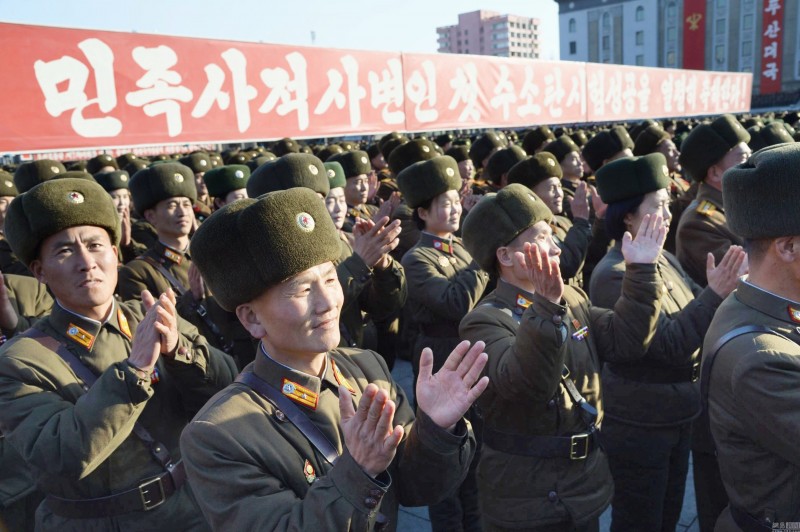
(756, 248)
(615, 215)
(415, 216)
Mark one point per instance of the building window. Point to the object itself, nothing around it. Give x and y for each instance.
(572, 25)
(672, 34)
(640, 38)
(719, 53)
(747, 48)
(573, 47)
(640, 60)
(606, 21)
(721, 4)
(606, 42)
(639, 14)
(747, 22)
(671, 59)
(671, 10)
(720, 26)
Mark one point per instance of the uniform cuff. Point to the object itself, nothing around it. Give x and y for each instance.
(438, 438)
(359, 489)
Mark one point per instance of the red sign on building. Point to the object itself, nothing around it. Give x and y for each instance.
(771, 46)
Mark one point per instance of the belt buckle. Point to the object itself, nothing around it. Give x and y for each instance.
(147, 496)
(695, 371)
(578, 443)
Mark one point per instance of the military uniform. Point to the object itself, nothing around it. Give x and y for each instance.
(378, 293)
(78, 440)
(9, 262)
(444, 283)
(139, 275)
(753, 405)
(681, 194)
(254, 470)
(365, 211)
(650, 404)
(29, 299)
(530, 341)
(573, 239)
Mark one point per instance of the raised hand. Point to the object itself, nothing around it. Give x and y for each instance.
(373, 184)
(579, 204)
(387, 207)
(373, 241)
(157, 333)
(646, 247)
(368, 432)
(446, 396)
(125, 232)
(542, 271)
(722, 279)
(599, 207)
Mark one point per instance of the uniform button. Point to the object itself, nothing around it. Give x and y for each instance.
(376, 493)
(370, 503)
(551, 403)
(557, 319)
(280, 416)
(552, 496)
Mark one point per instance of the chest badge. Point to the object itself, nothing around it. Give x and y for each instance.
(309, 473)
(581, 332)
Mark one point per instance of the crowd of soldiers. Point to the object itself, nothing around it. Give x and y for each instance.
(205, 341)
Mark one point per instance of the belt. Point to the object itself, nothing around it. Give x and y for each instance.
(439, 330)
(656, 375)
(574, 447)
(148, 495)
(747, 522)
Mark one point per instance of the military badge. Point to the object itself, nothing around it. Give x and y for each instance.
(308, 471)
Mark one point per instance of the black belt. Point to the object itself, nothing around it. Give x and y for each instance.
(656, 375)
(439, 330)
(574, 447)
(747, 522)
(148, 495)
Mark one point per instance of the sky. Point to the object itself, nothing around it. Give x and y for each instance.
(398, 26)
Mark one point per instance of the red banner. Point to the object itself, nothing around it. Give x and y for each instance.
(80, 90)
(771, 46)
(694, 34)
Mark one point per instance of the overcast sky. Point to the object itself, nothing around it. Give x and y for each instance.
(404, 25)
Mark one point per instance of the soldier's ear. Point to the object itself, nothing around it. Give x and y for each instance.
(505, 256)
(250, 321)
(787, 248)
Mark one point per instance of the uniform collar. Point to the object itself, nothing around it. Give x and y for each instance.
(82, 331)
(302, 388)
(706, 192)
(171, 254)
(445, 245)
(768, 303)
(513, 297)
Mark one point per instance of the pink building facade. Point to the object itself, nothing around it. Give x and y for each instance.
(490, 33)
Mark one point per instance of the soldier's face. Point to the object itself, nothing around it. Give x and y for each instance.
(337, 206)
(378, 162)
(467, 170)
(356, 190)
(551, 193)
(444, 215)
(79, 265)
(172, 217)
(572, 165)
(667, 147)
(200, 185)
(234, 195)
(121, 198)
(656, 202)
(4, 202)
(299, 318)
(540, 234)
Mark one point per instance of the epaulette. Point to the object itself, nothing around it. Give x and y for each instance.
(707, 208)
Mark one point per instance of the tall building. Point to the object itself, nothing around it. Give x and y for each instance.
(758, 36)
(490, 33)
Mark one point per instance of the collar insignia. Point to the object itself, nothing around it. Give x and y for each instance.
(80, 336)
(443, 246)
(794, 314)
(299, 394)
(340, 378)
(707, 208)
(123, 324)
(174, 256)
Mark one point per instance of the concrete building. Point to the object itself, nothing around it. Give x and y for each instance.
(490, 33)
(758, 36)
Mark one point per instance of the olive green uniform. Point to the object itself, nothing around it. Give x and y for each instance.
(78, 441)
(702, 229)
(651, 403)
(139, 275)
(753, 402)
(529, 341)
(378, 293)
(252, 469)
(365, 211)
(573, 239)
(9, 263)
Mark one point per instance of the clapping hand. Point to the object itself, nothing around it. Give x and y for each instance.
(646, 247)
(543, 272)
(722, 279)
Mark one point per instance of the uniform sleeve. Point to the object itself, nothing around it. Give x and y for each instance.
(574, 248)
(131, 283)
(698, 236)
(445, 297)
(199, 370)
(387, 292)
(525, 362)
(56, 435)
(764, 388)
(354, 275)
(676, 336)
(626, 333)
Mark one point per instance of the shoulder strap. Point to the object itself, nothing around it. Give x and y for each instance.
(708, 358)
(176, 285)
(159, 452)
(312, 433)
